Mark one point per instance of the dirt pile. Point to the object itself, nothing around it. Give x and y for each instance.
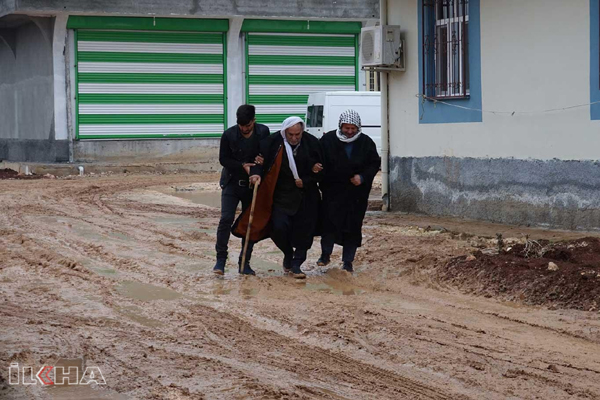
(8, 173)
(563, 274)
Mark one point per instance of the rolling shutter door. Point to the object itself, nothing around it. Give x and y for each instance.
(136, 84)
(282, 69)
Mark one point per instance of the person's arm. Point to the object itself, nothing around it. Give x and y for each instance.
(226, 156)
(315, 157)
(372, 163)
(258, 169)
(263, 133)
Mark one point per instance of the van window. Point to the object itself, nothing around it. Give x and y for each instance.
(309, 116)
(318, 116)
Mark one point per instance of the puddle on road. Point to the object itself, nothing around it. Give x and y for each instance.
(330, 393)
(109, 273)
(146, 292)
(259, 265)
(249, 292)
(197, 267)
(134, 314)
(74, 369)
(120, 236)
(219, 289)
(334, 286)
(211, 199)
(185, 224)
(83, 392)
(86, 230)
(106, 272)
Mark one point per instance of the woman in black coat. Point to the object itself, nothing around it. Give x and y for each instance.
(350, 163)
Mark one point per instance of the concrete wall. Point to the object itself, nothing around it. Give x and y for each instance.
(221, 8)
(531, 167)
(27, 96)
(148, 151)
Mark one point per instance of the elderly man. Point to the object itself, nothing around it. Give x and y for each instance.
(287, 205)
(350, 163)
(238, 151)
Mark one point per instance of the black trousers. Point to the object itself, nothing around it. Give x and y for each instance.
(281, 234)
(233, 193)
(327, 242)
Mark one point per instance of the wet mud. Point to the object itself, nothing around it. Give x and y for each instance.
(115, 271)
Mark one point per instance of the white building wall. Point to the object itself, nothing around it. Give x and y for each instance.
(535, 55)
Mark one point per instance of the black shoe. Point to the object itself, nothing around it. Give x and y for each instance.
(219, 268)
(348, 267)
(297, 273)
(247, 270)
(287, 265)
(323, 260)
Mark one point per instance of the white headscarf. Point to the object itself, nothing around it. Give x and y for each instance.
(349, 117)
(288, 123)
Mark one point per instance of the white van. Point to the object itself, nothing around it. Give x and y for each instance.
(324, 109)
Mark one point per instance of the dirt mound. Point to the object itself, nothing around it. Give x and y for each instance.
(7, 173)
(563, 274)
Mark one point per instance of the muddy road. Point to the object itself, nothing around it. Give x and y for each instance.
(116, 271)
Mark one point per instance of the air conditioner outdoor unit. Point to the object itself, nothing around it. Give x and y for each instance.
(381, 46)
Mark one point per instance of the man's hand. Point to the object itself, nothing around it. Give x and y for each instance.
(318, 167)
(299, 183)
(259, 159)
(356, 180)
(247, 167)
(255, 180)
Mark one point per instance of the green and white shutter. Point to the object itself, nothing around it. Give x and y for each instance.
(150, 84)
(288, 60)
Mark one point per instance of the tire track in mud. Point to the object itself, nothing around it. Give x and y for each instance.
(456, 344)
(311, 362)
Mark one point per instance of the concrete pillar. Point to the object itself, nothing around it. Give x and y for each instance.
(59, 43)
(236, 95)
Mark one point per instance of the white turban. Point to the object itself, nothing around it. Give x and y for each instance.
(288, 123)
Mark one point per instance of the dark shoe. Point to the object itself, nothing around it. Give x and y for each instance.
(348, 267)
(287, 265)
(297, 273)
(219, 268)
(247, 270)
(323, 260)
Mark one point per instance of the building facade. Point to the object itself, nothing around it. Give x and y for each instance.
(497, 116)
(160, 81)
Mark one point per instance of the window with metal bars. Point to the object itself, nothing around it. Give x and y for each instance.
(373, 79)
(446, 48)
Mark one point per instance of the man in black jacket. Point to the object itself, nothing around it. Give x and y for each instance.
(350, 165)
(292, 191)
(239, 148)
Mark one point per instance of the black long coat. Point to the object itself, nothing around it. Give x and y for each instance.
(345, 205)
(306, 219)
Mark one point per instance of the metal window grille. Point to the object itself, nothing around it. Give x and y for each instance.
(445, 48)
(372, 81)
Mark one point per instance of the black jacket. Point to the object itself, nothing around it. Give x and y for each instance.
(232, 157)
(345, 205)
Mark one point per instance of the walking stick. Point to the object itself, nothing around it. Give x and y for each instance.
(242, 265)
